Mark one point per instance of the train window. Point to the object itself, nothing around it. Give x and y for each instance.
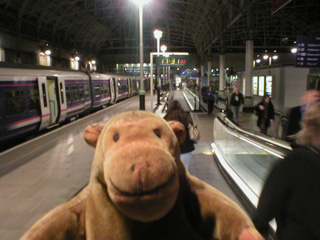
(74, 94)
(61, 93)
(123, 86)
(81, 93)
(68, 96)
(14, 102)
(106, 89)
(44, 95)
(86, 91)
(97, 89)
(33, 99)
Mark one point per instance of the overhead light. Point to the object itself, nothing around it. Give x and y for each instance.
(294, 50)
(275, 57)
(77, 58)
(258, 61)
(48, 52)
(157, 34)
(163, 48)
(265, 57)
(93, 62)
(141, 2)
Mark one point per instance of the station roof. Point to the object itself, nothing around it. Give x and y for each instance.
(196, 26)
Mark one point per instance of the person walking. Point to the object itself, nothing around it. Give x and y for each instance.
(309, 98)
(177, 113)
(210, 94)
(265, 113)
(236, 102)
(291, 193)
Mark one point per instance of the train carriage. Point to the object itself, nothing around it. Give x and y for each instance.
(35, 99)
(103, 92)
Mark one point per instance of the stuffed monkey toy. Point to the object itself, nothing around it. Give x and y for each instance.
(140, 190)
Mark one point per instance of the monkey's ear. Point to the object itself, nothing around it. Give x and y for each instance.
(92, 132)
(179, 130)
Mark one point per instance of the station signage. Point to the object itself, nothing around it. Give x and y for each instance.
(308, 52)
(172, 60)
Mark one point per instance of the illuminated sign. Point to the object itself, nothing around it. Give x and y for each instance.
(255, 85)
(308, 52)
(174, 61)
(269, 85)
(261, 85)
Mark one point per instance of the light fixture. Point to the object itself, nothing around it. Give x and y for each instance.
(141, 2)
(258, 60)
(157, 34)
(77, 58)
(294, 50)
(163, 48)
(275, 57)
(48, 52)
(265, 57)
(141, 90)
(93, 62)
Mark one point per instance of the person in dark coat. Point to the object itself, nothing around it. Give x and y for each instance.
(265, 113)
(210, 94)
(294, 125)
(203, 92)
(291, 193)
(176, 112)
(236, 102)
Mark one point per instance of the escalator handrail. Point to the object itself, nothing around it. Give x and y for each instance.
(280, 150)
(271, 140)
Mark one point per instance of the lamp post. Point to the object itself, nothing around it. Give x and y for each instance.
(158, 35)
(141, 91)
(163, 49)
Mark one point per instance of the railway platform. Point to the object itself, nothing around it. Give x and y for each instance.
(38, 175)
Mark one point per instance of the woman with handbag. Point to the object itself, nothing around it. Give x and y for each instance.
(176, 112)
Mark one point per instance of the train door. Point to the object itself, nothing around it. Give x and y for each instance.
(113, 89)
(129, 87)
(48, 101)
(53, 100)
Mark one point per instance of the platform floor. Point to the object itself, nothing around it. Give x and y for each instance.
(51, 170)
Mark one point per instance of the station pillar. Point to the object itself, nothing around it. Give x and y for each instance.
(249, 68)
(209, 68)
(222, 60)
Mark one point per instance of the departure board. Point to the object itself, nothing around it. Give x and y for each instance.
(174, 61)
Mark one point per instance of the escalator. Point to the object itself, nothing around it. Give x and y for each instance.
(245, 159)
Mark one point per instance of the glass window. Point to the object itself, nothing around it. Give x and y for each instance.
(44, 94)
(86, 91)
(106, 89)
(74, 94)
(61, 93)
(97, 89)
(14, 102)
(33, 99)
(81, 93)
(68, 95)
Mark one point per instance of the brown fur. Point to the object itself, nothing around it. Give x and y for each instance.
(139, 189)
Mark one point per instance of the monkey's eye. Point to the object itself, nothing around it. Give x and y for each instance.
(116, 137)
(157, 132)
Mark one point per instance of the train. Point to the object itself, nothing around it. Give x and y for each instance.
(35, 99)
